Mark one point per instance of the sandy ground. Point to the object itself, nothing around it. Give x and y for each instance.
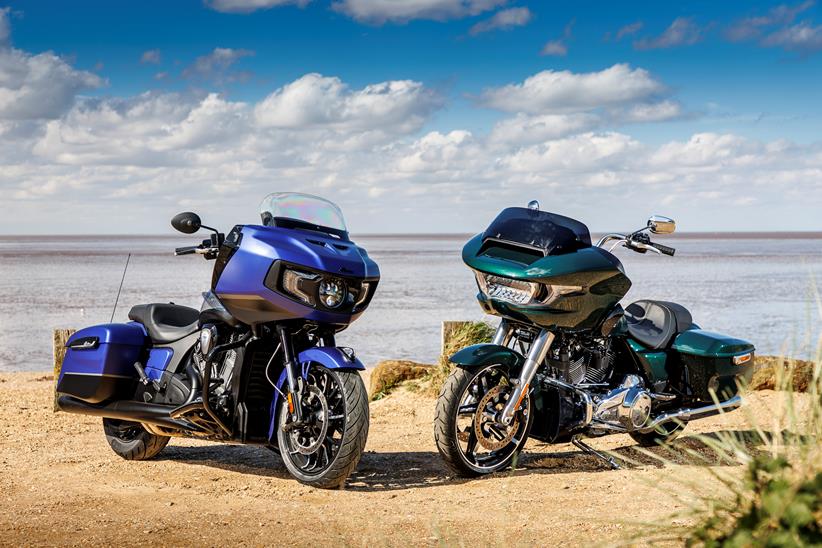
(61, 484)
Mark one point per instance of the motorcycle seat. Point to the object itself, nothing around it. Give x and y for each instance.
(656, 323)
(165, 323)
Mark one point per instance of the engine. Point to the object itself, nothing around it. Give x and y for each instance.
(627, 406)
(588, 363)
(578, 360)
(222, 369)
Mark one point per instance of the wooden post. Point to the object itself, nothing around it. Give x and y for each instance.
(448, 328)
(61, 337)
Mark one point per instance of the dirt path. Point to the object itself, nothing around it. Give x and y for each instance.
(61, 484)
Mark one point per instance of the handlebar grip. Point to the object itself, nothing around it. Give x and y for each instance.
(186, 250)
(664, 249)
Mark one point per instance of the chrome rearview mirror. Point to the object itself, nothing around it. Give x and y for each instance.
(661, 225)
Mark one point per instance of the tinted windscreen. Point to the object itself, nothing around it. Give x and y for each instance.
(551, 233)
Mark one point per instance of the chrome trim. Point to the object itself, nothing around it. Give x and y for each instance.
(502, 336)
(536, 355)
(690, 414)
(612, 236)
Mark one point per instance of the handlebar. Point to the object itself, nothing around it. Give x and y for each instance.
(188, 250)
(664, 249)
(637, 242)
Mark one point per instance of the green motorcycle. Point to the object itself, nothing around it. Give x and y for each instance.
(567, 362)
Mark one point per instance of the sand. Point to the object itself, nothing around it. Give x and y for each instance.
(62, 484)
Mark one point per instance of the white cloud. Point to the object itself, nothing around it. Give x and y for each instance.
(682, 32)
(554, 47)
(39, 86)
(381, 11)
(399, 106)
(562, 91)
(216, 64)
(629, 30)
(151, 56)
(559, 47)
(78, 160)
(524, 129)
(503, 20)
(148, 130)
(752, 27)
(248, 6)
(802, 38)
(651, 112)
(5, 27)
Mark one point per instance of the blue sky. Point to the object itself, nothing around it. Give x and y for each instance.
(733, 88)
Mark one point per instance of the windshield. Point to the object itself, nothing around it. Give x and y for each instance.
(551, 233)
(283, 208)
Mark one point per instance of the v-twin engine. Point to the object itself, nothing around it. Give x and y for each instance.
(627, 406)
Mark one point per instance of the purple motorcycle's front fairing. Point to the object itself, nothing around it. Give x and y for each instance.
(248, 289)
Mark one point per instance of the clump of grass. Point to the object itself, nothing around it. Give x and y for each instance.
(768, 368)
(461, 336)
(389, 374)
(777, 501)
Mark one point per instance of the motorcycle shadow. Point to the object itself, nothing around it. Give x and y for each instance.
(400, 470)
(690, 450)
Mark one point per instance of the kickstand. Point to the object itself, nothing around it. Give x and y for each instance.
(591, 451)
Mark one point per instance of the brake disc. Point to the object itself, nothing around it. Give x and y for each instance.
(492, 435)
(309, 437)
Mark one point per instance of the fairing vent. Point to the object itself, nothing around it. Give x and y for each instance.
(518, 253)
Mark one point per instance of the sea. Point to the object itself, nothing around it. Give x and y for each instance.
(760, 287)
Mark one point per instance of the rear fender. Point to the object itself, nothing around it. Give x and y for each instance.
(330, 357)
(481, 355)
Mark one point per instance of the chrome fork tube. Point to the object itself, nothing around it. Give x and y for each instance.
(503, 333)
(536, 355)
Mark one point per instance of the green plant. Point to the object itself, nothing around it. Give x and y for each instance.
(777, 501)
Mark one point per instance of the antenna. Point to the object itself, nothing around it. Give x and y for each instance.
(119, 289)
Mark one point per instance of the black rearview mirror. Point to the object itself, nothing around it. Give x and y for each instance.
(661, 225)
(186, 222)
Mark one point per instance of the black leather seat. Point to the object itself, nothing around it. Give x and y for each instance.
(166, 323)
(656, 323)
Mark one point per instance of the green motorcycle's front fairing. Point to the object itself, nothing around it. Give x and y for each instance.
(599, 274)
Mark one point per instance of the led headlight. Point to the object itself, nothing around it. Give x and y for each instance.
(332, 292)
(507, 289)
(294, 283)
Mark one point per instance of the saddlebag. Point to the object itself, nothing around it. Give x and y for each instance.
(714, 363)
(99, 362)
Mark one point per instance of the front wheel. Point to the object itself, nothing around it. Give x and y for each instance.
(466, 431)
(325, 447)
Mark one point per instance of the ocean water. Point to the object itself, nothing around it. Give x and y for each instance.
(756, 287)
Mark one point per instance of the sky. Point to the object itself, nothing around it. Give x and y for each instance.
(413, 116)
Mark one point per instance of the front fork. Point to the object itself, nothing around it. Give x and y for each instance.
(292, 373)
(536, 355)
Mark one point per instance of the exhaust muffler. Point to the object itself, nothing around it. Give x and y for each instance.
(690, 414)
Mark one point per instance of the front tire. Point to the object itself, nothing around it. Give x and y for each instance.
(131, 441)
(455, 427)
(323, 454)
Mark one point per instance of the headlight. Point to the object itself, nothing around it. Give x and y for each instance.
(332, 292)
(296, 282)
(507, 289)
(519, 291)
(316, 289)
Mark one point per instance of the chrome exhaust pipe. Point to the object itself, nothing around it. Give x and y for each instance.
(147, 413)
(690, 414)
